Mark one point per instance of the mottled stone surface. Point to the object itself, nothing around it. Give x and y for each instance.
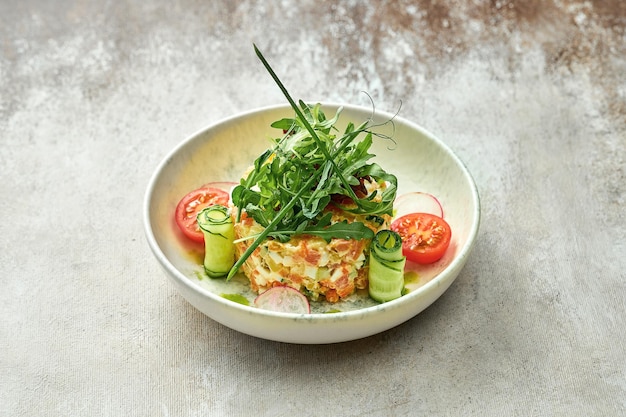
(530, 94)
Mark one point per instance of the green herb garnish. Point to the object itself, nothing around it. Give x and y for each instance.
(293, 182)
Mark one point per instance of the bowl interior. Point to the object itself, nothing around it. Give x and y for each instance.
(224, 151)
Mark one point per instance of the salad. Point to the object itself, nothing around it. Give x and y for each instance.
(314, 218)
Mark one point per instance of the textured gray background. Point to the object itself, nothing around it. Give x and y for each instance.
(531, 95)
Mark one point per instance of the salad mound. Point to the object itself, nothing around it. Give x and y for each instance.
(306, 220)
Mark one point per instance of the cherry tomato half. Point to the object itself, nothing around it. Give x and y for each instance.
(425, 237)
(190, 205)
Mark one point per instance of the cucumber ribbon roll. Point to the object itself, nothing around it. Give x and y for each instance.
(386, 269)
(219, 250)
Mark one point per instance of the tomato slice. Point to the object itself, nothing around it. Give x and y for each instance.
(190, 205)
(425, 237)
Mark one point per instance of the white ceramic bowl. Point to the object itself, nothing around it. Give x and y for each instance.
(223, 151)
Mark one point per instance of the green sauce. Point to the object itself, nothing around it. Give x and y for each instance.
(411, 277)
(238, 298)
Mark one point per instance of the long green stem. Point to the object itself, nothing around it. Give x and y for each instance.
(308, 184)
(306, 123)
(271, 226)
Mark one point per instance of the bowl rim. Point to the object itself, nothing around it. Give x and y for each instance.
(457, 262)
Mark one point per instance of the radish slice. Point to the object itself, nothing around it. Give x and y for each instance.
(417, 202)
(284, 299)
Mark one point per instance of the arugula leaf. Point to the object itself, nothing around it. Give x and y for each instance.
(342, 230)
